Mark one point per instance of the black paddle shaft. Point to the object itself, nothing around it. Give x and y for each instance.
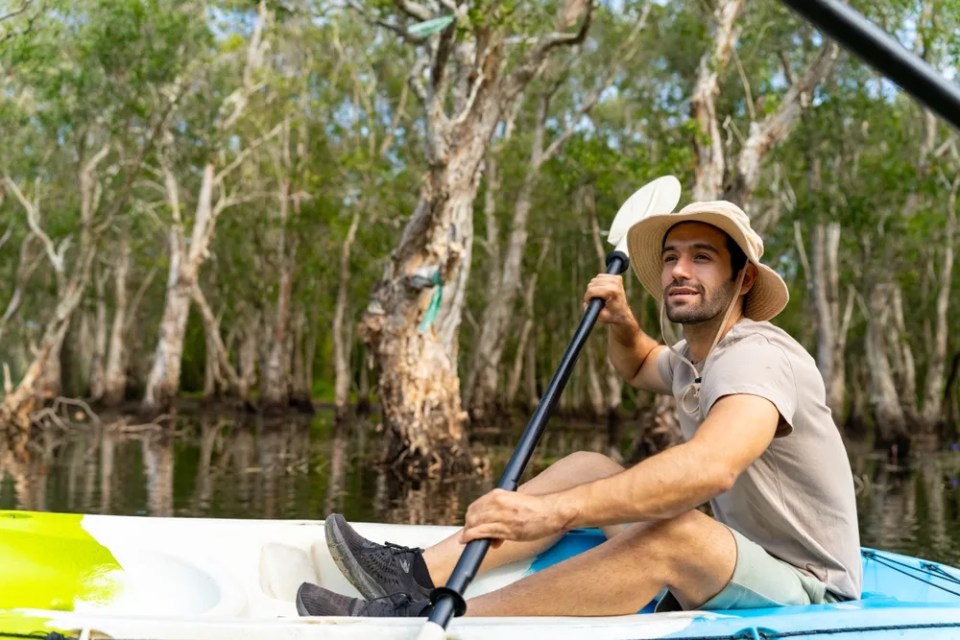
(449, 599)
(884, 53)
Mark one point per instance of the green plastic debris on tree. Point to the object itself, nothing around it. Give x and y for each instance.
(434, 307)
(430, 27)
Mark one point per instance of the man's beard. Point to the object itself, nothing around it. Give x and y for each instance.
(709, 308)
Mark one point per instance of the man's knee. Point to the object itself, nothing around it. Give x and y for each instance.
(589, 463)
(676, 537)
(575, 469)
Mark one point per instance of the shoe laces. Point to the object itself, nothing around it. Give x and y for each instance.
(401, 603)
(397, 548)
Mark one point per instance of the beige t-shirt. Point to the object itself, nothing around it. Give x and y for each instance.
(797, 499)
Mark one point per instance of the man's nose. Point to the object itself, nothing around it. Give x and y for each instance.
(681, 268)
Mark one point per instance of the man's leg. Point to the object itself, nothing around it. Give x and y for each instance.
(576, 469)
(692, 554)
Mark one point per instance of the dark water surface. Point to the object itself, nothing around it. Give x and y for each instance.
(254, 468)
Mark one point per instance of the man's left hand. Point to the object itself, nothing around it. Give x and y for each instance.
(508, 515)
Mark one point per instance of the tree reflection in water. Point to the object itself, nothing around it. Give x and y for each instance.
(215, 465)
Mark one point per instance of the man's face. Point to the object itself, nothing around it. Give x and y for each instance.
(696, 276)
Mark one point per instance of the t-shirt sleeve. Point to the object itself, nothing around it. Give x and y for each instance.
(665, 367)
(757, 367)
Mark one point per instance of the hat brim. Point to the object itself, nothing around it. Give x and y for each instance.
(769, 294)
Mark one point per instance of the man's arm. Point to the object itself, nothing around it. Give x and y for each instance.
(632, 352)
(738, 429)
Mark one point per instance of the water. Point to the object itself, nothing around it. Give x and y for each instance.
(221, 466)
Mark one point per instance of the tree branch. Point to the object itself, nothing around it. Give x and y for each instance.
(534, 60)
(33, 221)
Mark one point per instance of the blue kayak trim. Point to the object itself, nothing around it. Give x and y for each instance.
(903, 597)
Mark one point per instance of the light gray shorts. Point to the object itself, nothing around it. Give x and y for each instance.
(760, 580)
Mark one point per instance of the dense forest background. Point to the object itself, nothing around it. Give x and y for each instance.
(275, 204)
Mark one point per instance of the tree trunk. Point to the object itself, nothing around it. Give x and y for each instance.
(98, 372)
(342, 333)
(221, 377)
(275, 380)
(931, 411)
(884, 400)
(42, 378)
(415, 342)
(164, 379)
(412, 323)
(708, 141)
(114, 377)
(823, 283)
(247, 353)
(186, 258)
(304, 344)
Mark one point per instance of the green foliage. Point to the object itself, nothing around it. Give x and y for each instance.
(105, 72)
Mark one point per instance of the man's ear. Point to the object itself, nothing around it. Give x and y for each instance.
(749, 278)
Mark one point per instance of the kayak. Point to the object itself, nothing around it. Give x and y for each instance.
(96, 576)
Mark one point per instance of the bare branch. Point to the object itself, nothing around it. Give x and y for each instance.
(533, 61)
(243, 155)
(28, 263)
(415, 81)
(397, 29)
(625, 52)
(775, 127)
(475, 87)
(213, 331)
(6, 235)
(414, 9)
(138, 296)
(12, 14)
(398, 113)
(33, 221)
(256, 52)
(746, 86)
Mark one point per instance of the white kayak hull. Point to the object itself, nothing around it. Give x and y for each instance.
(207, 579)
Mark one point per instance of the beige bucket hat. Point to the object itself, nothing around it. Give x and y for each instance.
(769, 294)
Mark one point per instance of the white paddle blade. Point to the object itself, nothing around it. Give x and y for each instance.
(432, 631)
(658, 196)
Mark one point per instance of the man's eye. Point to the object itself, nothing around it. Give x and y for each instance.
(703, 257)
(669, 259)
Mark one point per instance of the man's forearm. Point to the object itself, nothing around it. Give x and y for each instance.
(663, 486)
(628, 349)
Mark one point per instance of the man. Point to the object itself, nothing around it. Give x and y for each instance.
(760, 446)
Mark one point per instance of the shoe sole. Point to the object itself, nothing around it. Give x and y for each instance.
(302, 608)
(339, 550)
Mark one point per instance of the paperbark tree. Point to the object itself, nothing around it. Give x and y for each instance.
(482, 382)
(212, 198)
(413, 320)
(41, 381)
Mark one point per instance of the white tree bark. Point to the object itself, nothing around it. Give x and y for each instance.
(115, 378)
(832, 316)
(931, 409)
(342, 335)
(884, 399)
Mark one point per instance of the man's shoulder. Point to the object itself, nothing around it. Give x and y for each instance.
(762, 340)
(762, 332)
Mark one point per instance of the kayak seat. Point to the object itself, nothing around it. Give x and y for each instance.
(283, 568)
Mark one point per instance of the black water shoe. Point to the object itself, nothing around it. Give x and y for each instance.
(313, 600)
(377, 570)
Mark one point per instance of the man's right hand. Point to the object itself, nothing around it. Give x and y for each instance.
(616, 310)
(631, 351)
